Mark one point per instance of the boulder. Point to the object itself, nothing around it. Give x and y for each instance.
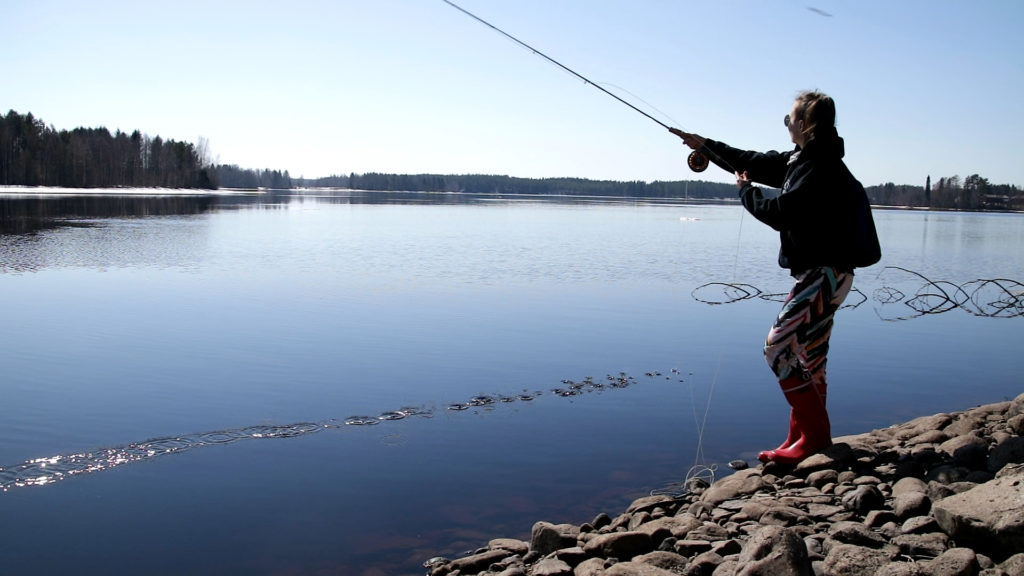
(988, 518)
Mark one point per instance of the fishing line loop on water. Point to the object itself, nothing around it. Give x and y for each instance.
(984, 297)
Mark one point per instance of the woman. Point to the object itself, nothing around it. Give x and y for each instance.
(826, 230)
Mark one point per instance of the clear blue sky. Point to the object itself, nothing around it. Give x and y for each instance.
(331, 87)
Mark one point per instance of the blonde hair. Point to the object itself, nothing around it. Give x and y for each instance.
(817, 110)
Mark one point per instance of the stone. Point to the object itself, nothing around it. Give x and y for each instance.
(664, 560)
(954, 562)
(545, 537)
(911, 504)
(774, 551)
(590, 567)
(930, 544)
(967, 450)
(1009, 452)
(856, 533)
(636, 569)
(477, 562)
(864, 499)
(919, 525)
(689, 548)
(850, 560)
(704, 563)
(741, 483)
(679, 526)
(820, 478)
(551, 567)
(903, 569)
(909, 484)
(989, 518)
(621, 545)
(511, 544)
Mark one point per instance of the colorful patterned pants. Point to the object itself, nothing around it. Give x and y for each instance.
(797, 345)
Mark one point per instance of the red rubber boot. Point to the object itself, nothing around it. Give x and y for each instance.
(810, 419)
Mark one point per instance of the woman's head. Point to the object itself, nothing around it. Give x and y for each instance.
(813, 114)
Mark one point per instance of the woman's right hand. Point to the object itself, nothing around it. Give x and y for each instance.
(694, 141)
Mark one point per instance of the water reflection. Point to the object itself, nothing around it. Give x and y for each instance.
(27, 214)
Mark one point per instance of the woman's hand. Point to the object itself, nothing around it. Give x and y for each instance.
(742, 180)
(694, 141)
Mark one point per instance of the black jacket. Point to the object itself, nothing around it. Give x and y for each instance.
(822, 214)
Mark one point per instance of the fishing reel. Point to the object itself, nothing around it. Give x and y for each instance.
(697, 161)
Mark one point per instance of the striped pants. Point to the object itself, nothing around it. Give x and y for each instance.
(797, 344)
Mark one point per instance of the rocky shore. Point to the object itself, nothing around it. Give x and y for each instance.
(941, 495)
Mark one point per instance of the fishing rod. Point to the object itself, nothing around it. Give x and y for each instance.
(697, 161)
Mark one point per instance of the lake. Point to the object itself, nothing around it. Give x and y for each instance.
(341, 382)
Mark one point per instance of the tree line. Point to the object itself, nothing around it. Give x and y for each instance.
(34, 154)
(495, 184)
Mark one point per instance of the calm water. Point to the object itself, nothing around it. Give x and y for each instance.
(175, 332)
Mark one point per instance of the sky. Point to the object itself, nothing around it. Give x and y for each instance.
(922, 88)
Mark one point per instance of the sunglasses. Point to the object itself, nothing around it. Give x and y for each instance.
(785, 120)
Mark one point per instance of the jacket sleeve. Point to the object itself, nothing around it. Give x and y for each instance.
(799, 205)
(768, 168)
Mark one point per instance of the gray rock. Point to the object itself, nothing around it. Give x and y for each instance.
(1009, 452)
(954, 562)
(856, 533)
(621, 545)
(1014, 565)
(637, 569)
(551, 567)
(919, 426)
(864, 499)
(590, 567)
(919, 525)
(988, 518)
(679, 526)
(664, 560)
(850, 560)
(822, 477)
(929, 545)
(741, 483)
(774, 551)
(968, 450)
(511, 544)
(477, 562)
(911, 504)
(545, 537)
(909, 484)
(903, 569)
(703, 564)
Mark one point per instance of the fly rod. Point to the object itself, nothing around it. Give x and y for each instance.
(697, 161)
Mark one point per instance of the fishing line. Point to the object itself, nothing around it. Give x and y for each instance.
(697, 160)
